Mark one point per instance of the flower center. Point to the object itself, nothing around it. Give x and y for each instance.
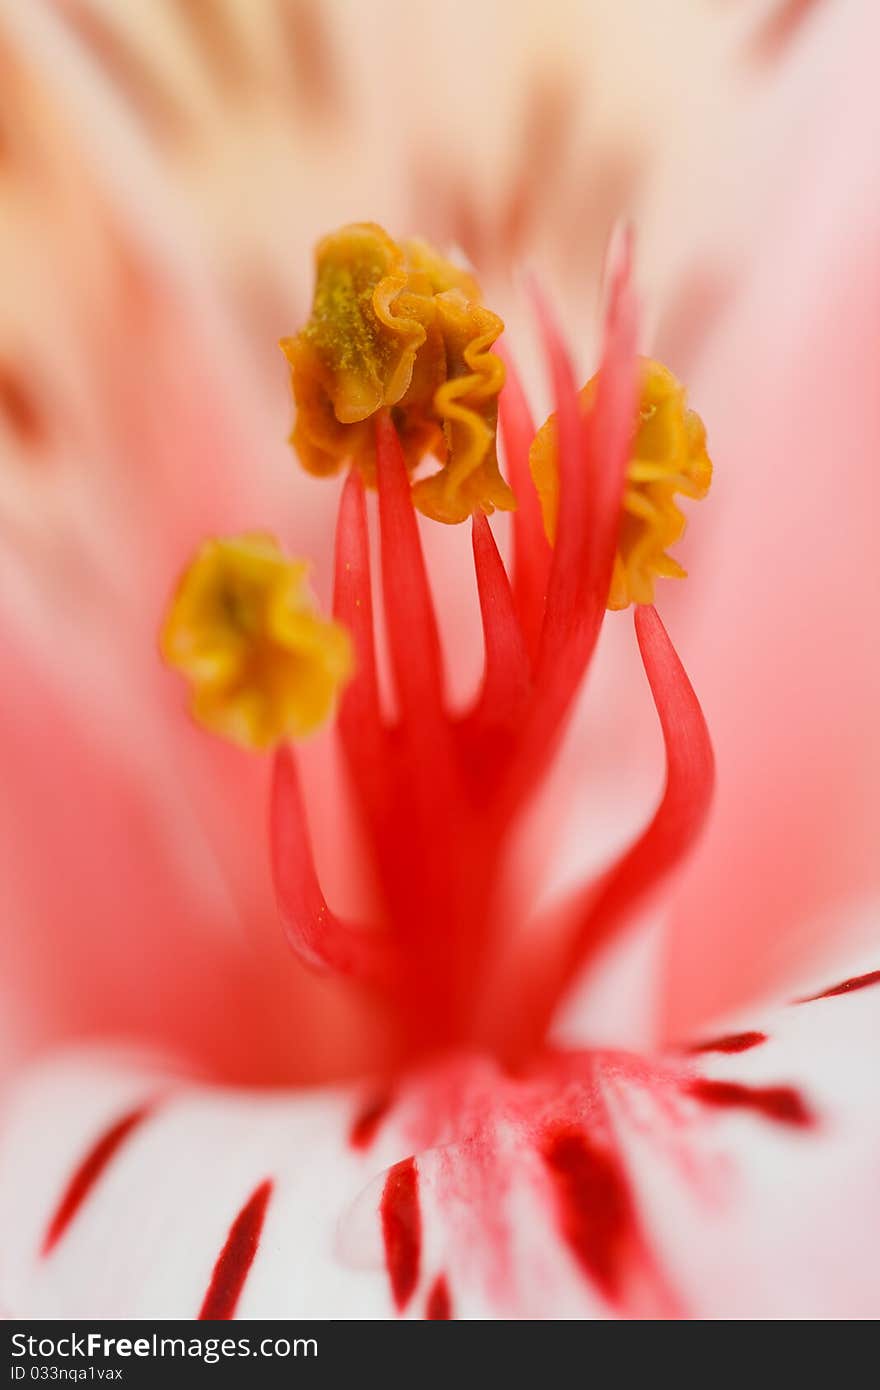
(395, 363)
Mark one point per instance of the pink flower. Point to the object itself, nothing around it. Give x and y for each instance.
(472, 1165)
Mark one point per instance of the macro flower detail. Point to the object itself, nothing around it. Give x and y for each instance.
(477, 995)
(434, 789)
(400, 327)
(242, 627)
(668, 456)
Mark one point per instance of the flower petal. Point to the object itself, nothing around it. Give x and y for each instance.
(148, 1237)
(724, 1181)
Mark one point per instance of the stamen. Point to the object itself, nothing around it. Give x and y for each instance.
(263, 665)
(599, 909)
(507, 678)
(317, 936)
(360, 719)
(565, 609)
(396, 362)
(422, 838)
(467, 404)
(413, 637)
(400, 327)
(355, 354)
(667, 456)
(690, 779)
(593, 457)
(531, 550)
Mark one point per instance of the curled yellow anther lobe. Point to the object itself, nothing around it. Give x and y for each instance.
(262, 664)
(400, 327)
(668, 457)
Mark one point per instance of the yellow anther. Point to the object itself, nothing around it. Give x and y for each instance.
(262, 663)
(668, 456)
(402, 328)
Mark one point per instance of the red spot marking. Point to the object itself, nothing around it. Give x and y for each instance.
(547, 124)
(780, 28)
(846, 987)
(780, 1103)
(212, 32)
(700, 295)
(236, 1257)
(139, 79)
(731, 1042)
(402, 1229)
(439, 1305)
(595, 1206)
(20, 408)
(367, 1121)
(88, 1173)
(313, 53)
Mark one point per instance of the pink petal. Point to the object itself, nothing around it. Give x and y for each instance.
(783, 586)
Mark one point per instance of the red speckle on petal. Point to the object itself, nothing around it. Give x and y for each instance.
(595, 1207)
(88, 1173)
(439, 1305)
(845, 987)
(367, 1121)
(780, 28)
(236, 1257)
(402, 1229)
(731, 1042)
(20, 409)
(780, 1103)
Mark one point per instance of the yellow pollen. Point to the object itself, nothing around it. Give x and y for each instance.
(262, 663)
(668, 456)
(399, 327)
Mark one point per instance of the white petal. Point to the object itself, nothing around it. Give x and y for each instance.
(726, 1183)
(756, 1218)
(145, 1240)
